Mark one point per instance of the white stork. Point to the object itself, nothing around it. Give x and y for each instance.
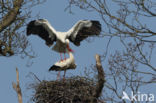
(81, 30)
(64, 65)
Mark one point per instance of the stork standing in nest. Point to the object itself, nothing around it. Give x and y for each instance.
(64, 65)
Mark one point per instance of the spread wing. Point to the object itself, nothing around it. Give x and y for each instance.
(43, 29)
(83, 29)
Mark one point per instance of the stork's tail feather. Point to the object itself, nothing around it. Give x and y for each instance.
(54, 67)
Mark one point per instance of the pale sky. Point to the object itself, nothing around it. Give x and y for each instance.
(53, 11)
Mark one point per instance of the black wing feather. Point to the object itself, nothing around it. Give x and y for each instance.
(85, 32)
(40, 31)
(54, 67)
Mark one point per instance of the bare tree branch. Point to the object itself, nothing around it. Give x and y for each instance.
(101, 77)
(10, 17)
(13, 20)
(129, 22)
(17, 88)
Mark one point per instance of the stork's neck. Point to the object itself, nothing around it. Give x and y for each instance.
(71, 55)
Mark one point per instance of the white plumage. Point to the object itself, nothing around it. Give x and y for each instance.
(81, 30)
(64, 65)
(69, 63)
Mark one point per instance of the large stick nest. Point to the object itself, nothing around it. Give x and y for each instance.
(72, 90)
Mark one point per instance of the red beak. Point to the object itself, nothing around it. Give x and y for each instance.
(69, 49)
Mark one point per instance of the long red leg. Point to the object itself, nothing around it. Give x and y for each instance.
(61, 56)
(58, 75)
(64, 75)
(68, 47)
(65, 56)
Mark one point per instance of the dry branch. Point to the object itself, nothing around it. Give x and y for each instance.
(17, 87)
(14, 15)
(9, 18)
(101, 77)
